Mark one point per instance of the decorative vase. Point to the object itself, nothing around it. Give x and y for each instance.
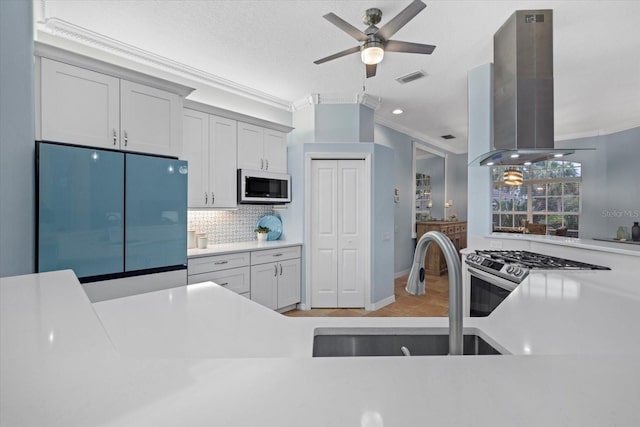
(635, 232)
(262, 237)
(621, 233)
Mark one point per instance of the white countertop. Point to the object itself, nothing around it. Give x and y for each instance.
(227, 248)
(202, 355)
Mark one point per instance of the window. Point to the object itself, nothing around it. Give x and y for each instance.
(549, 195)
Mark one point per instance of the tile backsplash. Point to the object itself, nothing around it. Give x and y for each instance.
(228, 226)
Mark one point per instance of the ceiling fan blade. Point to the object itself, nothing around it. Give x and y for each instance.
(398, 46)
(400, 20)
(345, 26)
(371, 70)
(338, 55)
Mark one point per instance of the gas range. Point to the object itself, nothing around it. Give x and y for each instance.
(515, 265)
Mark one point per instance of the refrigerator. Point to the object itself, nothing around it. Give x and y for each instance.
(109, 214)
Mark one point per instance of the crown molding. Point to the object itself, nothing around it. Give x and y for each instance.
(65, 30)
(365, 99)
(417, 135)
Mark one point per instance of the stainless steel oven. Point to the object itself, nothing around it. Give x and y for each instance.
(493, 275)
(487, 291)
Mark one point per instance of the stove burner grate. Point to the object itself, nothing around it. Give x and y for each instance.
(538, 261)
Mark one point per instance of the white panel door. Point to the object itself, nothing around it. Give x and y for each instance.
(264, 284)
(150, 119)
(195, 134)
(222, 161)
(339, 231)
(351, 233)
(250, 146)
(79, 106)
(275, 151)
(324, 233)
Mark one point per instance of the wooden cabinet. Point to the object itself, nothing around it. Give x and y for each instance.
(261, 148)
(275, 277)
(209, 145)
(85, 107)
(456, 231)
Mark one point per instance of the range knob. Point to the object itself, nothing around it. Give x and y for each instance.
(510, 269)
(517, 272)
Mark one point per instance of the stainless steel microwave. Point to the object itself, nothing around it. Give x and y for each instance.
(260, 187)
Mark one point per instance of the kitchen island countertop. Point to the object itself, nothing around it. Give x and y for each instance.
(202, 355)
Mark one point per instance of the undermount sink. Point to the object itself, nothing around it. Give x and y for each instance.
(359, 343)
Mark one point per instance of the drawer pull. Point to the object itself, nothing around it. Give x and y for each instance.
(223, 284)
(221, 262)
(276, 255)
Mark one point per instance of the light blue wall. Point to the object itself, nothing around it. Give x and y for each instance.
(434, 167)
(457, 172)
(610, 181)
(17, 217)
(343, 123)
(480, 101)
(401, 144)
(382, 224)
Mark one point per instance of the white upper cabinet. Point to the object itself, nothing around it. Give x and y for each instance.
(79, 106)
(261, 149)
(223, 177)
(150, 119)
(84, 101)
(195, 150)
(209, 145)
(275, 150)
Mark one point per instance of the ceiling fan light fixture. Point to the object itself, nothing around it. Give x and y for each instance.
(513, 176)
(372, 53)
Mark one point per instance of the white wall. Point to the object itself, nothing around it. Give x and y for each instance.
(17, 216)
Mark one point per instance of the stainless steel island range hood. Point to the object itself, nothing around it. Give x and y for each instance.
(523, 129)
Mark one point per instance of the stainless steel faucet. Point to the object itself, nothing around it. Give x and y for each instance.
(416, 283)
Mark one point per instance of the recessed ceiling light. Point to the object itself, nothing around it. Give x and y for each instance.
(489, 163)
(558, 155)
(515, 156)
(527, 163)
(398, 111)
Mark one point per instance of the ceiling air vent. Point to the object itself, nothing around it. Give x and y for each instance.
(411, 77)
(449, 136)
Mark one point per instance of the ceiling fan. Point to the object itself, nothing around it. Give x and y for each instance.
(375, 41)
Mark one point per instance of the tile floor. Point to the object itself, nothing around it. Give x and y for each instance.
(435, 303)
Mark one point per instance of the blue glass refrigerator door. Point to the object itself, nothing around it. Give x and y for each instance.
(80, 210)
(156, 212)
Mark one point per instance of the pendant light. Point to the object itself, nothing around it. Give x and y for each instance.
(513, 176)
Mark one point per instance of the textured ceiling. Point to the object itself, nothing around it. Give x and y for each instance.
(270, 46)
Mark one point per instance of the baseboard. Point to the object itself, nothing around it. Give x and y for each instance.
(303, 307)
(402, 273)
(383, 303)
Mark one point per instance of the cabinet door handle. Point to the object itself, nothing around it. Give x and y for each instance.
(206, 197)
(281, 269)
(213, 198)
(115, 137)
(221, 262)
(267, 162)
(261, 164)
(275, 270)
(126, 138)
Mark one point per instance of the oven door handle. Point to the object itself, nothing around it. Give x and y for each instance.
(490, 278)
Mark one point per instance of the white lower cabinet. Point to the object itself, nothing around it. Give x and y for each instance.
(275, 277)
(270, 277)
